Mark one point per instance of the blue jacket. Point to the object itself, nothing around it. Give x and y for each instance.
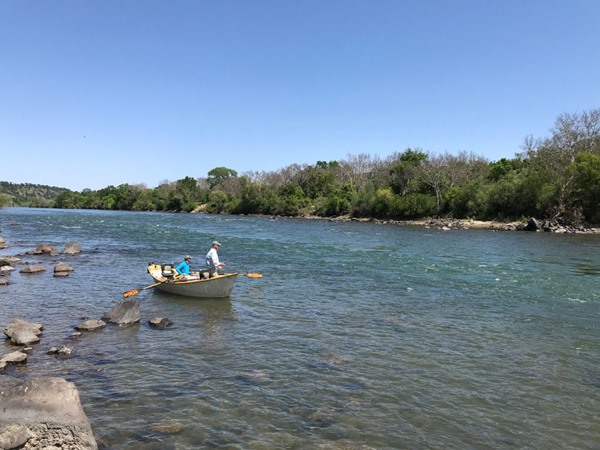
(184, 268)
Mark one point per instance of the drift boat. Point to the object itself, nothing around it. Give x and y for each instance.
(200, 286)
(219, 286)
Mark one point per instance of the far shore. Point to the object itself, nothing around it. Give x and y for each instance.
(465, 224)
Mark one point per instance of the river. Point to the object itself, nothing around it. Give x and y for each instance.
(358, 335)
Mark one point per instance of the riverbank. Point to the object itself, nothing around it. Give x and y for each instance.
(447, 224)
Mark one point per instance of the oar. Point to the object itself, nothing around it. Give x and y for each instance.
(133, 292)
(251, 275)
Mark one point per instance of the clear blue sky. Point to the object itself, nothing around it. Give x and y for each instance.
(105, 92)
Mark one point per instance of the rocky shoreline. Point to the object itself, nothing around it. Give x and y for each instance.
(41, 412)
(46, 412)
(447, 224)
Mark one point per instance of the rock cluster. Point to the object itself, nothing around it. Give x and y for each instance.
(447, 224)
(555, 226)
(61, 269)
(45, 412)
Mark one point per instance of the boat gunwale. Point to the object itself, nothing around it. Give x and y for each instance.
(165, 280)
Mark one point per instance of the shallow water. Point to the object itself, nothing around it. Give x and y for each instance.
(383, 336)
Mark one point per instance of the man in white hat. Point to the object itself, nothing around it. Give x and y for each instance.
(212, 260)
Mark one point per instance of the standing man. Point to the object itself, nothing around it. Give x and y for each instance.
(212, 260)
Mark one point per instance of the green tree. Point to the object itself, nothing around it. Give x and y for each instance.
(414, 205)
(585, 190)
(403, 170)
(256, 198)
(318, 180)
(364, 202)
(144, 201)
(68, 200)
(385, 203)
(217, 201)
(4, 200)
(470, 200)
(186, 195)
(573, 134)
(219, 174)
(502, 167)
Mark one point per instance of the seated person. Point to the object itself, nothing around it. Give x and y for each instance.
(183, 269)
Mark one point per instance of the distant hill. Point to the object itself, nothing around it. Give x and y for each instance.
(27, 194)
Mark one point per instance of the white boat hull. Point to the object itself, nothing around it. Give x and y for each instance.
(217, 287)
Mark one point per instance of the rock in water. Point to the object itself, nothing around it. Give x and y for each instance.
(124, 313)
(44, 413)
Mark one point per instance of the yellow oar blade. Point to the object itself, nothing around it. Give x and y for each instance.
(252, 275)
(131, 293)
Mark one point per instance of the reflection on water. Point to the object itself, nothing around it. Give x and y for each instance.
(583, 269)
(358, 335)
(211, 317)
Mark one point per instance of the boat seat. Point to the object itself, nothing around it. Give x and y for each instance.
(168, 271)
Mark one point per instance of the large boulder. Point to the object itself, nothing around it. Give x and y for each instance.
(6, 270)
(9, 260)
(532, 225)
(45, 249)
(21, 332)
(124, 313)
(44, 413)
(6, 264)
(72, 248)
(17, 357)
(62, 269)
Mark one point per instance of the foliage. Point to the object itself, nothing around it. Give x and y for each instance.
(403, 170)
(5, 199)
(27, 194)
(219, 174)
(554, 177)
(585, 190)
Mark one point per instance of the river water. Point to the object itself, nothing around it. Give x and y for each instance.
(358, 336)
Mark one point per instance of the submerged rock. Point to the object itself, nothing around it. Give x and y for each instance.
(33, 269)
(91, 325)
(72, 248)
(160, 322)
(45, 249)
(168, 427)
(9, 260)
(63, 350)
(62, 269)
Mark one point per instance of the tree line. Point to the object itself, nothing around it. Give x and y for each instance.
(555, 177)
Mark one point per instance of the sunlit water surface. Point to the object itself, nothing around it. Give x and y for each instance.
(358, 335)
